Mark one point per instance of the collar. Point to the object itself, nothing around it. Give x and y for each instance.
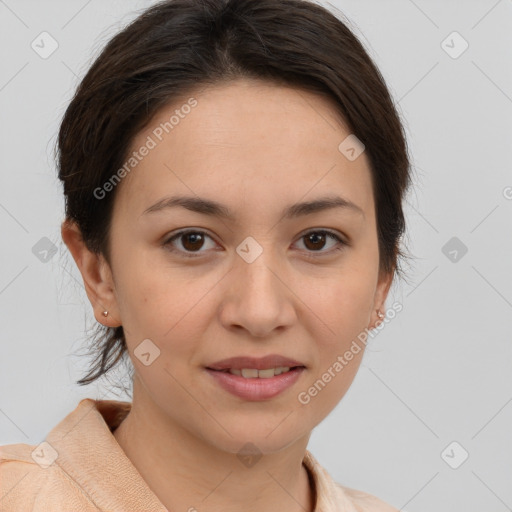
(90, 454)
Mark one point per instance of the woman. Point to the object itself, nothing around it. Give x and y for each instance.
(233, 174)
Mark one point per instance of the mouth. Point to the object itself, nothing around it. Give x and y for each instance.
(256, 385)
(253, 373)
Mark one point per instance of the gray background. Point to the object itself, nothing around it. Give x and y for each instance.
(437, 373)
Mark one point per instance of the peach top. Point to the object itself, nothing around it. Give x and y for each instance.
(80, 467)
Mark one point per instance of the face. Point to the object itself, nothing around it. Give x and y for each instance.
(260, 282)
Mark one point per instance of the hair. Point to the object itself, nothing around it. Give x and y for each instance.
(176, 46)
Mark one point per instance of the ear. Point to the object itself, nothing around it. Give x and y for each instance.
(381, 293)
(96, 273)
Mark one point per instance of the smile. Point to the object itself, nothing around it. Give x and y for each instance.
(251, 373)
(256, 385)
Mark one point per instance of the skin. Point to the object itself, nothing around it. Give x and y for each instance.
(257, 148)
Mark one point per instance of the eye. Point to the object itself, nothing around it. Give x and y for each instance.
(193, 240)
(316, 240)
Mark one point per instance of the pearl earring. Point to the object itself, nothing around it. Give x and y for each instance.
(380, 315)
(105, 313)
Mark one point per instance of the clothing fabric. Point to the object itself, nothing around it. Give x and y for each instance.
(80, 467)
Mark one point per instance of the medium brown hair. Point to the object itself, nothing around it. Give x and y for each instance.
(176, 46)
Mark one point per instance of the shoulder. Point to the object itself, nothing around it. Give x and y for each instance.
(18, 471)
(29, 482)
(364, 502)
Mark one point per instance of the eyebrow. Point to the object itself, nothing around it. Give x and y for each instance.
(215, 209)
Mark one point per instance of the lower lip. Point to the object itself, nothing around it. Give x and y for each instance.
(255, 388)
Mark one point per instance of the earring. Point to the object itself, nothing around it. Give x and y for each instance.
(105, 313)
(379, 314)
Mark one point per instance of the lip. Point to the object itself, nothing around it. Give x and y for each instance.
(259, 363)
(256, 389)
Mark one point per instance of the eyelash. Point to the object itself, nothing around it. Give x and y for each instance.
(168, 243)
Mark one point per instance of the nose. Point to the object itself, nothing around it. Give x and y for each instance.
(258, 297)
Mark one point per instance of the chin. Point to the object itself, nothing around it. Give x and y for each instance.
(245, 439)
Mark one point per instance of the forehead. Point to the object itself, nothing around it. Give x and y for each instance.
(246, 143)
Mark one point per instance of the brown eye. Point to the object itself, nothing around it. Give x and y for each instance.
(191, 241)
(315, 241)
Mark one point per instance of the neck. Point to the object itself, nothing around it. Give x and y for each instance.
(188, 473)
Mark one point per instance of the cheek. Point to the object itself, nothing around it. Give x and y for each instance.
(343, 308)
(339, 355)
(333, 382)
(165, 306)
(144, 288)
(343, 303)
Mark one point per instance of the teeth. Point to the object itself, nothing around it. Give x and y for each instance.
(251, 373)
